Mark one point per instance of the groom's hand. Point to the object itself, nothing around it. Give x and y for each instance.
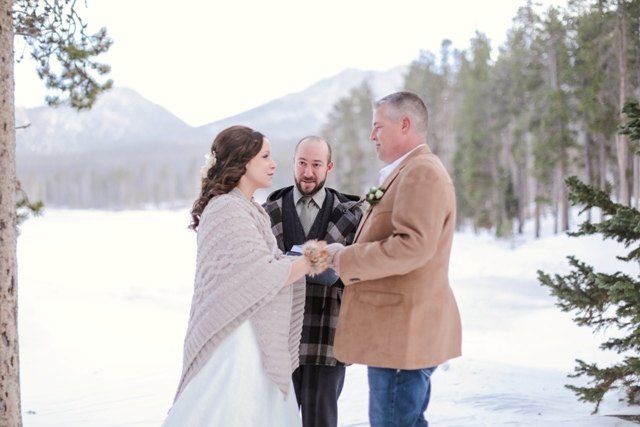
(334, 250)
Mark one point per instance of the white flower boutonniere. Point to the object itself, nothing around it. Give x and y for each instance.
(374, 195)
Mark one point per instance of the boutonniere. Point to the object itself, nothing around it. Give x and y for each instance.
(374, 195)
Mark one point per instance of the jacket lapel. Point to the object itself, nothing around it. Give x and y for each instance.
(389, 181)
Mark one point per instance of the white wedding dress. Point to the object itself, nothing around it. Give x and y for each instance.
(232, 390)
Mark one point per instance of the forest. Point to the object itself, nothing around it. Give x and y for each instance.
(512, 123)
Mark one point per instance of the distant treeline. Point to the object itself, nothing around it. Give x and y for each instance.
(109, 180)
(165, 176)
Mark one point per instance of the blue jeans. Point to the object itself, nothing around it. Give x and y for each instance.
(399, 398)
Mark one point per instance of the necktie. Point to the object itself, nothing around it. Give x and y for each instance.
(307, 214)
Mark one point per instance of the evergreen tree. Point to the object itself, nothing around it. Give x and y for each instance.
(602, 300)
(632, 130)
(431, 81)
(26, 208)
(555, 139)
(632, 127)
(474, 161)
(596, 110)
(517, 78)
(348, 129)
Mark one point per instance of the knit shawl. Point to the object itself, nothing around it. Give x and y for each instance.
(240, 275)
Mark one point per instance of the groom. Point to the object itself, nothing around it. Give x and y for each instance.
(399, 316)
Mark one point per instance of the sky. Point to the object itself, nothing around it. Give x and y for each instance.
(207, 60)
(104, 301)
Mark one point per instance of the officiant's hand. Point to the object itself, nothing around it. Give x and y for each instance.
(334, 249)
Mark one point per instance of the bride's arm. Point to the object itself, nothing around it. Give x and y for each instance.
(299, 267)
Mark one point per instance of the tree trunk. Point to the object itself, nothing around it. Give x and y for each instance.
(523, 197)
(555, 201)
(636, 181)
(602, 163)
(585, 137)
(537, 210)
(518, 174)
(528, 182)
(622, 144)
(538, 222)
(497, 196)
(563, 200)
(563, 197)
(10, 411)
(622, 148)
(560, 202)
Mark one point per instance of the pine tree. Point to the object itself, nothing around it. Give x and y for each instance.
(347, 129)
(26, 208)
(474, 160)
(517, 77)
(632, 127)
(430, 80)
(602, 300)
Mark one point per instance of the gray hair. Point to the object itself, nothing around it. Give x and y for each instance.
(406, 103)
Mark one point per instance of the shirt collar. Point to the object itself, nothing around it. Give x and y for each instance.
(318, 198)
(386, 171)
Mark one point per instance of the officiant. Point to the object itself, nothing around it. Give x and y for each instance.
(309, 210)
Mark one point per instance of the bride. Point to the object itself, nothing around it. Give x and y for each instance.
(241, 344)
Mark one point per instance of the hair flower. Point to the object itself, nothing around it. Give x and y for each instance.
(209, 162)
(374, 195)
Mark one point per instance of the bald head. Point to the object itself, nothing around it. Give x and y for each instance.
(317, 142)
(312, 164)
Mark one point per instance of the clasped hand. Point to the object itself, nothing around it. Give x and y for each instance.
(320, 255)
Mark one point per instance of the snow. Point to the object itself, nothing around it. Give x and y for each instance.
(104, 301)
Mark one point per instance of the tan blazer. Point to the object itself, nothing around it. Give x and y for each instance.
(398, 310)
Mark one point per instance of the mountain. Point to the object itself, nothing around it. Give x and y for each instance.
(127, 152)
(303, 113)
(121, 118)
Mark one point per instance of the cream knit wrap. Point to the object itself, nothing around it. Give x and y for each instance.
(240, 275)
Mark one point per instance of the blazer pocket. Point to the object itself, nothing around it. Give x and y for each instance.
(380, 299)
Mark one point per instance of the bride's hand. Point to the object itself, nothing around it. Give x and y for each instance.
(315, 251)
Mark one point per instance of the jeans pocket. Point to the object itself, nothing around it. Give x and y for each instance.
(427, 372)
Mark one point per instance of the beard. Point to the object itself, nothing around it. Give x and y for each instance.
(313, 190)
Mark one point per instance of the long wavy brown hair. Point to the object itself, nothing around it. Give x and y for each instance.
(233, 148)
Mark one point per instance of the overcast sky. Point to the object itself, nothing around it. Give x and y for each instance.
(205, 60)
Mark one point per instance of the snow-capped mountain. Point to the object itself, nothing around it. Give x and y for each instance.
(298, 114)
(127, 152)
(121, 118)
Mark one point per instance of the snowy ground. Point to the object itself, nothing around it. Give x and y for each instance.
(104, 300)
